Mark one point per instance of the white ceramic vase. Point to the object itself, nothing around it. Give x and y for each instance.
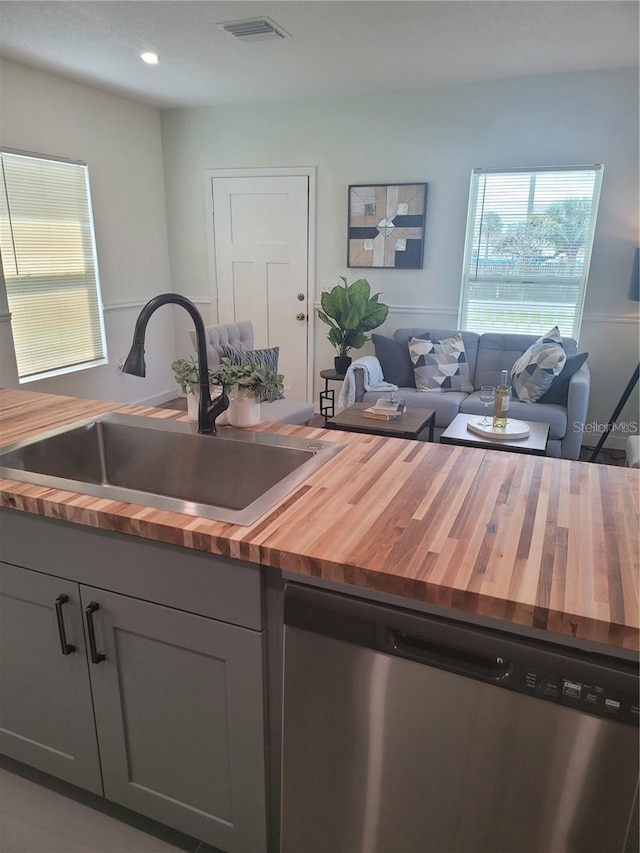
(193, 401)
(244, 410)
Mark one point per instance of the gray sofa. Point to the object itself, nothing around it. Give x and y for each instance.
(487, 355)
(241, 335)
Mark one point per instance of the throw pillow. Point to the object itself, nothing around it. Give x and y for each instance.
(261, 357)
(264, 357)
(535, 370)
(560, 386)
(440, 365)
(395, 360)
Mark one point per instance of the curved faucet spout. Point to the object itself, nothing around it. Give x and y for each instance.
(208, 410)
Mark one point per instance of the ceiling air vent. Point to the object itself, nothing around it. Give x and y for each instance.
(255, 29)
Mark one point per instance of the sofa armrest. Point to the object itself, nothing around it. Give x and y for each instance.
(577, 406)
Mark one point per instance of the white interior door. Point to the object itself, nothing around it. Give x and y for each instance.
(261, 262)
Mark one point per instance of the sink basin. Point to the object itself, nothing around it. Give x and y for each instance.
(234, 476)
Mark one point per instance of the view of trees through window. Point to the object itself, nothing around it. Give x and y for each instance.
(529, 240)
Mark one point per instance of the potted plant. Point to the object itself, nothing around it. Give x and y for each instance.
(350, 310)
(248, 385)
(185, 371)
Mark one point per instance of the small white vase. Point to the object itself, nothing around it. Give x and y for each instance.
(193, 401)
(244, 410)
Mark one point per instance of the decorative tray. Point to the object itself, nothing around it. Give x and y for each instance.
(511, 432)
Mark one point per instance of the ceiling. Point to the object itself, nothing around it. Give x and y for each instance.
(336, 47)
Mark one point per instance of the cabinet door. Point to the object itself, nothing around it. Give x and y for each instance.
(46, 714)
(179, 714)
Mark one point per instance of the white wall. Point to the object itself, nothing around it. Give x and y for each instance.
(120, 140)
(436, 135)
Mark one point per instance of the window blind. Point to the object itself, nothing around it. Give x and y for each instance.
(50, 266)
(528, 248)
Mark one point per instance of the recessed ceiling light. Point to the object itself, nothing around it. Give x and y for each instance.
(149, 57)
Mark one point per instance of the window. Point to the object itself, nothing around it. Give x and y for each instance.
(527, 249)
(50, 266)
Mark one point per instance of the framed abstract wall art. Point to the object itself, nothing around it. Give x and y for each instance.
(386, 224)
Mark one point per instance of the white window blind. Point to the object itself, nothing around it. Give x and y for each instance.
(528, 248)
(50, 266)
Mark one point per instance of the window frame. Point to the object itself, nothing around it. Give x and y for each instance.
(95, 311)
(527, 277)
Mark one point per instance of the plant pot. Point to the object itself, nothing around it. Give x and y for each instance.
(193, 404)
(244, 410)
(341, 363)
(193, 401)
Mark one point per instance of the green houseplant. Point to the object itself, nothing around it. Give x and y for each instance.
(185, 371)
(253, 379)
(248, 385)
(350, 311)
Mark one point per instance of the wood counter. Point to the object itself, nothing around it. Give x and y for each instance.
(538, 542)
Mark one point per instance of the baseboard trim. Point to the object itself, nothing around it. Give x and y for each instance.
(164, 397)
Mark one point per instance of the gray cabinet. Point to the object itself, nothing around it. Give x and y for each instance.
(179, 712)
(159, 708)
(46, 713)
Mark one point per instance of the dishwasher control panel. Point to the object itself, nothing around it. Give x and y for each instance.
(590, 698)
(591, 683)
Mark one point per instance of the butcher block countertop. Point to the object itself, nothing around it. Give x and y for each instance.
(542, 543)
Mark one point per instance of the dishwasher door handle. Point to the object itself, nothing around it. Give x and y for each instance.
(462, 661)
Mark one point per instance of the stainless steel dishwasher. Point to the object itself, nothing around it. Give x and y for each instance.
(406, 733)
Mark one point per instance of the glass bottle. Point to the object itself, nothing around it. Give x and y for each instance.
(501, 408)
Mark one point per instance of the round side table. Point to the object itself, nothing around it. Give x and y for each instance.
(328, 396)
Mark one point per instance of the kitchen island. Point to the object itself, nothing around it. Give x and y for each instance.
(537, 542)
(163, 690)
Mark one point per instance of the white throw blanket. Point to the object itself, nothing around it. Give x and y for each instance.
(372, 376)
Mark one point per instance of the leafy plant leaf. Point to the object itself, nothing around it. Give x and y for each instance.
(350, 311)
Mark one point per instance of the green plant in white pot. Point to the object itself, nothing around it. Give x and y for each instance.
(185, 371)
(350, 311)
(248, 385)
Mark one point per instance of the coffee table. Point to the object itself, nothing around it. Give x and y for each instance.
(412, 424)
(457, 433)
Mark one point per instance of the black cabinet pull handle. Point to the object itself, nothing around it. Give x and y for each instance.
(90, 609)
(65, 647)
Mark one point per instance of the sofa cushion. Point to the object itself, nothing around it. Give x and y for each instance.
(440, 365)
(535, 370)
(232, 334)
(446, 406)
(559, 390)
(286, 411)
(394, 359)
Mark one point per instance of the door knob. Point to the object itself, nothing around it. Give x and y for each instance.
(301, 297)
(300, 316)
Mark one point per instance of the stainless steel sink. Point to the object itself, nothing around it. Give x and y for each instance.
(235, 476)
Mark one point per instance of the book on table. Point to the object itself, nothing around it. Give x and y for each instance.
(385, 410)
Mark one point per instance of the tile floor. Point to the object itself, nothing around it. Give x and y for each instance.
(47, 816)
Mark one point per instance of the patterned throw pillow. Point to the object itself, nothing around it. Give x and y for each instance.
(440, 365)
(262, 357)
(394, 360)
(265, 357)
(535, 370)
